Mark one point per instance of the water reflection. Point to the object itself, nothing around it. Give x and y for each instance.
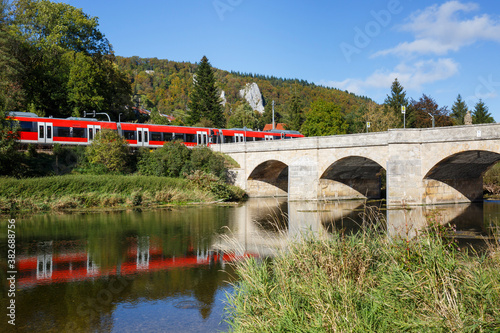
(263, 226)
(167, 270)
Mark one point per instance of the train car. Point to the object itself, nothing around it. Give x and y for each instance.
(82, 131)
(43, 130)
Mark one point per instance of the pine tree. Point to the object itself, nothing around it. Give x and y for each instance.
(396, 100)
(204, 99)
(480, 115)
(458, 111)
(296, 118)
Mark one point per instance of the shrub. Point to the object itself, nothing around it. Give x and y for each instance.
(108, 150)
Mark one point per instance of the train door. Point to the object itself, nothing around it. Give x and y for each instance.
(92, 131)
(269, 137)
(142, 136)
(201, 138)
(45, 132)
(238, 137)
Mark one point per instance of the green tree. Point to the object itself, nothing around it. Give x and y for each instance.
(243, 116)
(109, 152)
(458, 111)
(295, 113)
(68, 63)
(9, 157)
(10, 69)
(324, 118)
(204, 98)
(481, 115)
(396, 100)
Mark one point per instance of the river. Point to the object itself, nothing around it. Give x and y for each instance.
(170, 269)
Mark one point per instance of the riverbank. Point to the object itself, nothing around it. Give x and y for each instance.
(68, 192)
(368, 282)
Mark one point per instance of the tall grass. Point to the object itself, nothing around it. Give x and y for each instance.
(88, 191)
(368, 282)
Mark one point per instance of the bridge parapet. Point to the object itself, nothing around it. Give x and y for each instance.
(419, 164)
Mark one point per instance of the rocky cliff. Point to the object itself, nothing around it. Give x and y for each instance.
(252, 94)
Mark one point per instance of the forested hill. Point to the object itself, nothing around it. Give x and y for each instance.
(164, 86)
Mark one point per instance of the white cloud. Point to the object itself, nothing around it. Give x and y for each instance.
(441, 29)
(411, 76)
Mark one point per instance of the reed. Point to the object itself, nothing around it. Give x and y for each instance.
(368, 282)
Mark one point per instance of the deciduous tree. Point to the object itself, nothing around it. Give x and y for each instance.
(324, 118)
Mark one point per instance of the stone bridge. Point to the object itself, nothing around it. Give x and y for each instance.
(417, 166)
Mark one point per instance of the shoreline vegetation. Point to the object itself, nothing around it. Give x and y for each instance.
(70, 192)
(370, 282)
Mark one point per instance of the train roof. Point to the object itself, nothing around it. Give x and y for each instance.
(21, 114)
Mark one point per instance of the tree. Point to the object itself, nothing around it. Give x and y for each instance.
(68, 63)
(295, 113)
(109, 151)
(396, 100)
(243, 116)
(204, 98)
(458, 111)
(420, 113)
(10, 69)
(9, 160)
(324, 118)
(481, 115)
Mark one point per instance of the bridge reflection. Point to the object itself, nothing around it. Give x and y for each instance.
(265, 225)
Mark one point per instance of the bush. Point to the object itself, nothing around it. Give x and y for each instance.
(171, 160)
(108, 152)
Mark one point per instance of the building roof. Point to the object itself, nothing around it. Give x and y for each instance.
(279, 126)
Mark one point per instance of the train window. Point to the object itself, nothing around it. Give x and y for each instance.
(129, 135)
(190, 138)
(178, 136)
(64, 132)
(40, 132)
(27, 126)
(78, 132)
(259, 139)
(49, 132)
(156, 136)
(228, 139)
(167, 136)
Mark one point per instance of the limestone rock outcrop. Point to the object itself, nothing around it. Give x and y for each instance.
(253, 96)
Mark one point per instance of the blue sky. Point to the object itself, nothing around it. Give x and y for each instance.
(437, 48)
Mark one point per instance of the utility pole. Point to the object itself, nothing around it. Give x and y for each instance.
(273, 114)
(403, 110)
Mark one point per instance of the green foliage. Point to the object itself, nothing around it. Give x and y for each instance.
(458, 111)
(68, 65)
(171, 160)
(108, 152)
(9, 157)
(396, 100)
(324, 118)
(10, 69)
(204, 98)
(243, 116)
(295, 113)
(481, 115)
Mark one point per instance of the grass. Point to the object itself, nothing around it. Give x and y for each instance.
(92, 191)
(368, 282)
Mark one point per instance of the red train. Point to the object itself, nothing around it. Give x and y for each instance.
(81, 131)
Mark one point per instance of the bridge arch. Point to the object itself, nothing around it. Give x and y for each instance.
(352, 177)
(458, 177)
(269, 178)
